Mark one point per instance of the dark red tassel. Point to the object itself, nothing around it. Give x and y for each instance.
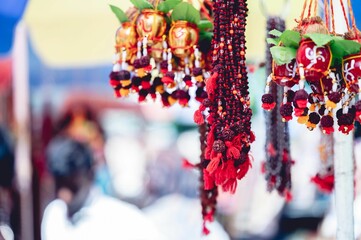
(324, 183)
(187, 165)
(211, 84)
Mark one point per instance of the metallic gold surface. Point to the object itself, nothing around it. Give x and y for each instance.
(126, 37)
(151, 23)
(182, 37)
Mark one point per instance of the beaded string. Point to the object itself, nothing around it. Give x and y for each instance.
(226, 155)
(278, 163)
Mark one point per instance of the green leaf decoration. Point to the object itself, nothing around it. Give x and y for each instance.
(319, 39)
(168, 5)
(290, 38)
(142, 4)
(122, 17)
(341, 48)
(204, 25)
(275, 33)
(273, 41)
(205, 36)
(185, 11)
(283, 55)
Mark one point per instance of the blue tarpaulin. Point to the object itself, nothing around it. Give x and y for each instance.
(10, 13)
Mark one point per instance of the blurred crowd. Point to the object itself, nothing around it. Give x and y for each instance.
(136, 167)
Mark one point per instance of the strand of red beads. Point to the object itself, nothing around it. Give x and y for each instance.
(278, 163)
(226, 155)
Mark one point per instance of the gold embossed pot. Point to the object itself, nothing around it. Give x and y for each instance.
(182, 37)
(126, 37)
(151, 23)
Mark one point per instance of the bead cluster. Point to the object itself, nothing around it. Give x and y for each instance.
(227, 108)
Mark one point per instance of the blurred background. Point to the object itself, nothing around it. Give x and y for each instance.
(55, 58)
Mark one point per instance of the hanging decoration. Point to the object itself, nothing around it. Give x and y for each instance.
(277, 168)
(313, 54)
(226, 110)
(162, 52)
(324, 65)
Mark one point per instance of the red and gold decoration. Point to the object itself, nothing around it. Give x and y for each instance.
(323, 66)
(313, 54)
(165, 50)
(161, 52)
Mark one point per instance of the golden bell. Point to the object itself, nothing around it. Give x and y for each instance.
(182, 37)
(151, 23)
(126, 37)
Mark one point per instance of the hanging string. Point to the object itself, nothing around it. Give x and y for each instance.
(205, 11)
(332, 17)
(326, 9)
(354, 27)
(303, 10)
(156, 4)
(315, 8)
(345, 15)
(309, 9)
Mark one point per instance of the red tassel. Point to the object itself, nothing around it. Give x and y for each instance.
(236, 142)
(210, 140)
(114, 83)
(225, 173)
(209, 217)
(288, 196)
(212, 166)
(167, 80)
(145, 84)
(232, 152)
(117, 93)
(148, 68)
(252, 137)
(187, 165)
(205, 229)
(198, 116)
(208, 180)
(211, 83)
(230, 185)
(244, 169)
(210, 119)
(325, 183)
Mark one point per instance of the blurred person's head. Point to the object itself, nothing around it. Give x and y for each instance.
(80, 121)
(71, 163)
(6, 160)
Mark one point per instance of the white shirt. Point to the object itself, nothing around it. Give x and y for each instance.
(102, 217)
(180, 218)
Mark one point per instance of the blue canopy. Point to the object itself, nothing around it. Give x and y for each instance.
(10, 13)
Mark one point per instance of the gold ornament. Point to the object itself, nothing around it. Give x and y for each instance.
(183, 36)
(151, 23)
(126, 37)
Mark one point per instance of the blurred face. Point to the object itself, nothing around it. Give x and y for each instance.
(74, 190)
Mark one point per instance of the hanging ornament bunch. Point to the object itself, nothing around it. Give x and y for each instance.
(313, 54)
(277, 167)
(161, 52)
(226, 110)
